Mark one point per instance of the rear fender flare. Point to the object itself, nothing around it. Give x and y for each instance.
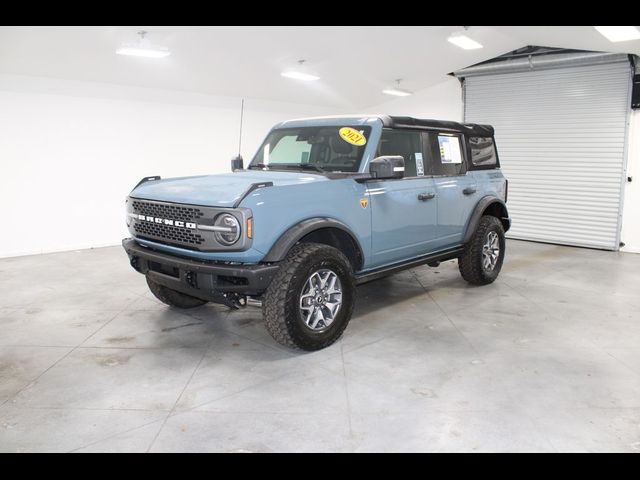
(497, 207)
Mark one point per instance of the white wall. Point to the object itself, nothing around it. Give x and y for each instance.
(71, 151)
(631, 209)
(441, 102)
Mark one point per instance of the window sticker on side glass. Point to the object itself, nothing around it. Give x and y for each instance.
(449, 149)
(419, 165)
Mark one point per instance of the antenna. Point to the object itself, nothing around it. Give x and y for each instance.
(240, 135)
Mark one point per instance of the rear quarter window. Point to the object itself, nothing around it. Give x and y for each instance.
(483, 152)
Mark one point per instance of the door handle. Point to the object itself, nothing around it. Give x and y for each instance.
(423, 197)
(469, 191)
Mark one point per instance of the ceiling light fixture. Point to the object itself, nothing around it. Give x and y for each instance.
(397, 91)
(300, 73)
(464, 42)
(619, 34)
(142, 48)
(459, 39)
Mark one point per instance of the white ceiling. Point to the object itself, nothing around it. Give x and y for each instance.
(355, 63)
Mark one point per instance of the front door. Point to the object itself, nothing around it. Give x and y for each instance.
(404, 211)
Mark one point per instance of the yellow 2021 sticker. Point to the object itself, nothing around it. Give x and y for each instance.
(352, 136)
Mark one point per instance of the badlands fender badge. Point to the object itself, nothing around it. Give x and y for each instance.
(364, 202)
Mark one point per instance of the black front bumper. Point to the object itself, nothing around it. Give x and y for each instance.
(211, 281)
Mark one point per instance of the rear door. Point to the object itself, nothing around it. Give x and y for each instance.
(456, 188)
(404, 211)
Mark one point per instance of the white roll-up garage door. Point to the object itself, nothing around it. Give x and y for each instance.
(561, 137)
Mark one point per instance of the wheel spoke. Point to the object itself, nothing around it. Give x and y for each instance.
(307, 320)
(317, 316)
(332, 307)
(305, 300)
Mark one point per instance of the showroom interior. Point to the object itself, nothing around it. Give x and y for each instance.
(543, 359)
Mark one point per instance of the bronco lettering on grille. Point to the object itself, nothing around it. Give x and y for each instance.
(166, 221)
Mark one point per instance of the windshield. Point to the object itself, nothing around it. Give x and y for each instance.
(332, 149)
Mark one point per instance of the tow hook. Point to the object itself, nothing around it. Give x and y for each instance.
(190, 278)
(236, 301)
(135, 263)
(232, 300)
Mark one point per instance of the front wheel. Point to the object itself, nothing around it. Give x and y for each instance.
(310, 300)
(482, 259)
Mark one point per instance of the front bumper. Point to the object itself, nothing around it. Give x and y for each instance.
(211, 281)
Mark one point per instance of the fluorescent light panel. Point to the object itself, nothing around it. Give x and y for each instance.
(463, 41)
(619, 34)
(297, 75)
(397, 92)
(134, 51)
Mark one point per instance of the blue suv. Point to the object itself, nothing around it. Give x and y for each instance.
(324, 205)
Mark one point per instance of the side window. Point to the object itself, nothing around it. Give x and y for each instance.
(483, 152)
(446, 154)
(406, 144)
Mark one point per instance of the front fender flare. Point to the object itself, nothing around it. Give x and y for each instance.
(293, 235)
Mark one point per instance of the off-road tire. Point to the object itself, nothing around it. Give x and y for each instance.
(280, 303)
(172, 297)
(470, 262)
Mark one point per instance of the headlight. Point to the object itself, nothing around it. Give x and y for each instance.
(228, 231)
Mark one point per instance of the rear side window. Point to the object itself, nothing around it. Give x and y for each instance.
(446, 154)
(483, 152)
(406, 144)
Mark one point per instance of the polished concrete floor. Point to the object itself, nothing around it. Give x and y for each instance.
(545, 359)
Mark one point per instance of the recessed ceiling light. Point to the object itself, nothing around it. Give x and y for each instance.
(397, 91)
(619, 34)
(300, 73)
(142, 48)
(463, 41)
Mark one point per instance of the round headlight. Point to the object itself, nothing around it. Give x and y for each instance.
(231, 226)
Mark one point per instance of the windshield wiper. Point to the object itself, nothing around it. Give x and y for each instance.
(258, 165)
(308, 166)
(288, 166)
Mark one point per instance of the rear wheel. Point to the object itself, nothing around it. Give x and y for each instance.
(483, 256)
(310, 300)
(172, 297)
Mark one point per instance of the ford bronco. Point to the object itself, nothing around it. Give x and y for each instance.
(324, 205)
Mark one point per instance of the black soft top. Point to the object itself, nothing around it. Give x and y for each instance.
(442, 125)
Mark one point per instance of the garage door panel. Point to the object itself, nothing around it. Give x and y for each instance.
(561, 137)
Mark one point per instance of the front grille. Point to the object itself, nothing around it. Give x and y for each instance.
(180, 225)
(169, 234)
(179, 236)
(163, 210)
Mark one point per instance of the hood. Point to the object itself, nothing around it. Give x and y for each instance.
(221, 190)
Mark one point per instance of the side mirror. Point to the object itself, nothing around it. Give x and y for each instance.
(237, 163)
(387, 167)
